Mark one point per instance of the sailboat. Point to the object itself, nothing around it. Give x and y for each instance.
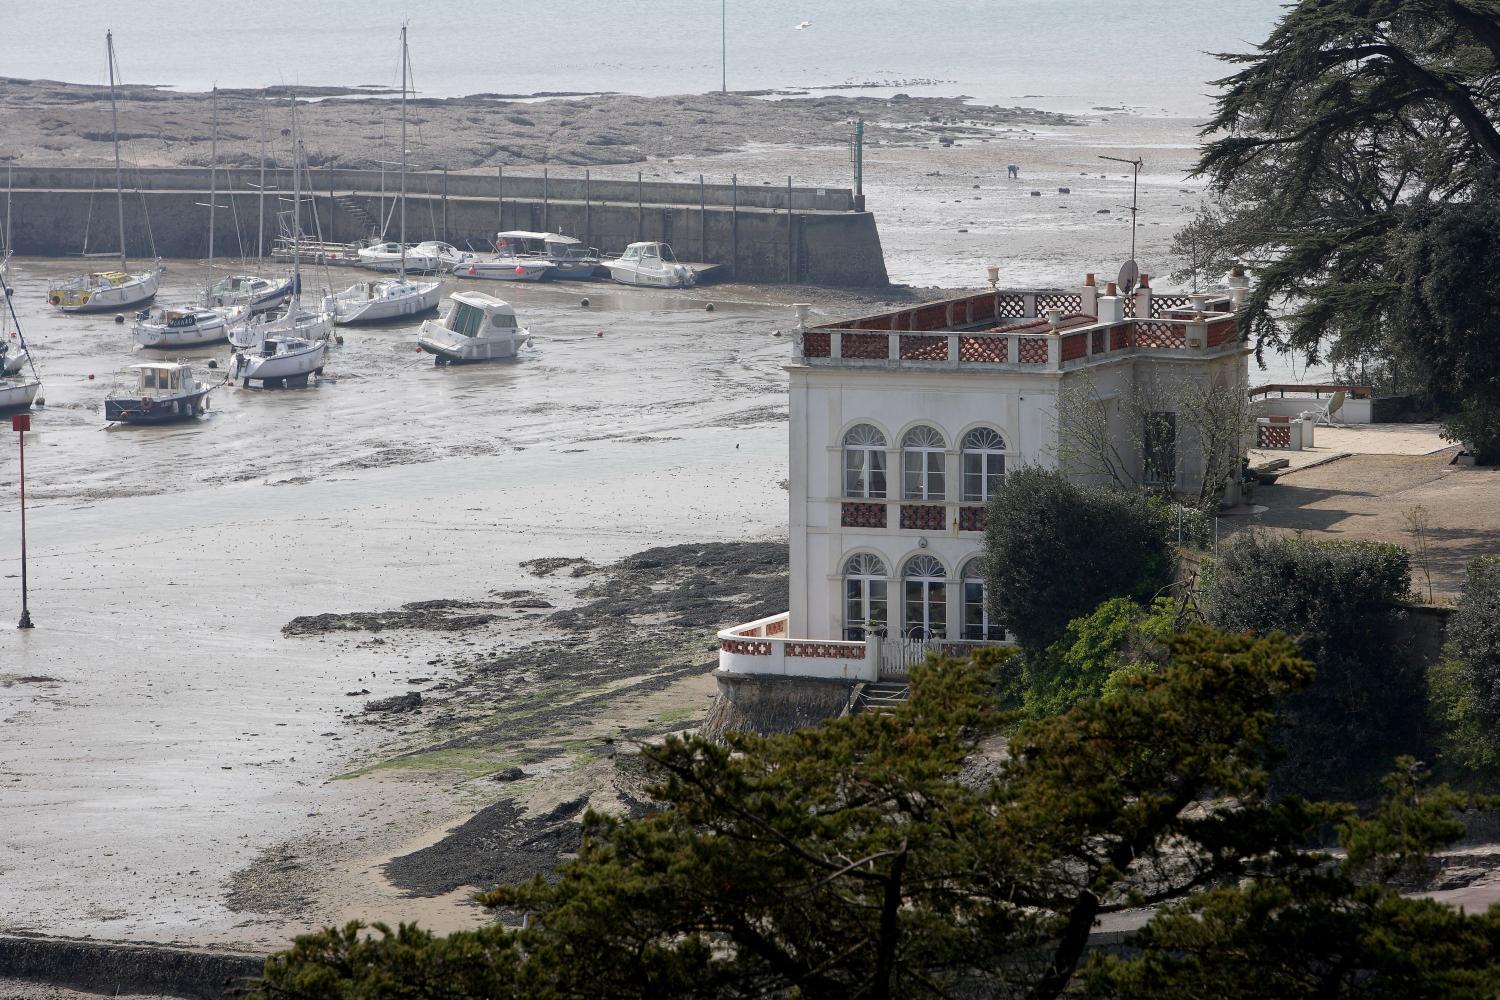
(236, 291)
(371, 301)
(17, 391)
(296, 322)
(106, 290)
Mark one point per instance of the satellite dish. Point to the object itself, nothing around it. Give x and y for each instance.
(1130, 275)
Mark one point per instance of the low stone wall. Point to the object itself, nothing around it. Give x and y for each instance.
(112, 969)
(774, 704)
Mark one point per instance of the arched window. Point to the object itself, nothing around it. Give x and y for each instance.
(864, 596)
(925, 589)
(977, 624)
(922, 464)
(984, 463)
(864, 463)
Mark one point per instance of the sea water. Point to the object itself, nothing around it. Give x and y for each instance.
(1065, 55)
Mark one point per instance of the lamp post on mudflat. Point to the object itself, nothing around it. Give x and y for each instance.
(21, 423)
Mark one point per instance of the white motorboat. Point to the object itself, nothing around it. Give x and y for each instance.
(260, 294)
(393, 257)
(505, 267)
(650, 264)
(108, 290)
(446, 255)
(164, 391)
(372, 301)
(184, 326)
(17, 393)
(279, 361)
(479, 327)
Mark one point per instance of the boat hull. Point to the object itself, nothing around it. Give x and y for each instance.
(378, 310)
(17, 396)
(514, 270)
(470, 350)
(126, 410)
(158, 336)
(576, 270)
(141, 288)
(652, 278)
(293, 366)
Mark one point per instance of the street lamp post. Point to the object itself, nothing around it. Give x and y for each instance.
(724, 46)
(21, 423)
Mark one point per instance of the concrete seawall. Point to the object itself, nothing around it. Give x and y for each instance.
(110, 969)
(758, 233)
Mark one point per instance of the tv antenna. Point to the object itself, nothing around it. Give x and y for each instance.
(1135, 192)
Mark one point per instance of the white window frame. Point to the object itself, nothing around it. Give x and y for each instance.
(868, 573)
(923, 464)
(979, 444)
(864, 457)
(971, 576)
(928, 574)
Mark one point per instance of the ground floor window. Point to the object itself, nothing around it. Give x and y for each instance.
(864, 596)
(977, 624)
(925, 592)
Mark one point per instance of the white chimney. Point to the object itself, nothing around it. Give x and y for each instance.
(1239, 285)
(1111, 308)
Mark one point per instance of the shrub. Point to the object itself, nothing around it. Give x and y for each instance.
(1341, 601)
(1477, 424)
(1466, 682)
(1056, 551)
(1119, 637)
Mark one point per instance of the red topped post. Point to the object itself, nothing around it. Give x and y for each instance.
(21, 423)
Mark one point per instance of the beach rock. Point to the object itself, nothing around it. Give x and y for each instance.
(409, 702)
(509, 774)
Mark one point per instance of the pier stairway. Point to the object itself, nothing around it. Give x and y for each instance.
(881, 696)
(356, 210)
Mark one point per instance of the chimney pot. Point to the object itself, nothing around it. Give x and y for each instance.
(1088, 279)
(1111, 289)
(1145, 280)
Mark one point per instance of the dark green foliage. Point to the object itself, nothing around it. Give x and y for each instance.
(1340, 601)
(1324, 927)
(1355, 154)
(1055, 551)
(1118, 638)
(1466, 683)
(850, 860)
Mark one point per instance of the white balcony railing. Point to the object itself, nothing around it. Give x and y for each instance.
(764, 648)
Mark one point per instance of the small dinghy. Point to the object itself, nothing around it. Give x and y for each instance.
(279, 362)
(650, 264)
(164, 391)
(184, 326)
(373, 301)
(479, 327)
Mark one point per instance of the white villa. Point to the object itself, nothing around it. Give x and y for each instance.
(902, 425)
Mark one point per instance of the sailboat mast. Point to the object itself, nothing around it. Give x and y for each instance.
(213, 176)
(260, 234)
(296, 214)
(403, 152)
(114, 122)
